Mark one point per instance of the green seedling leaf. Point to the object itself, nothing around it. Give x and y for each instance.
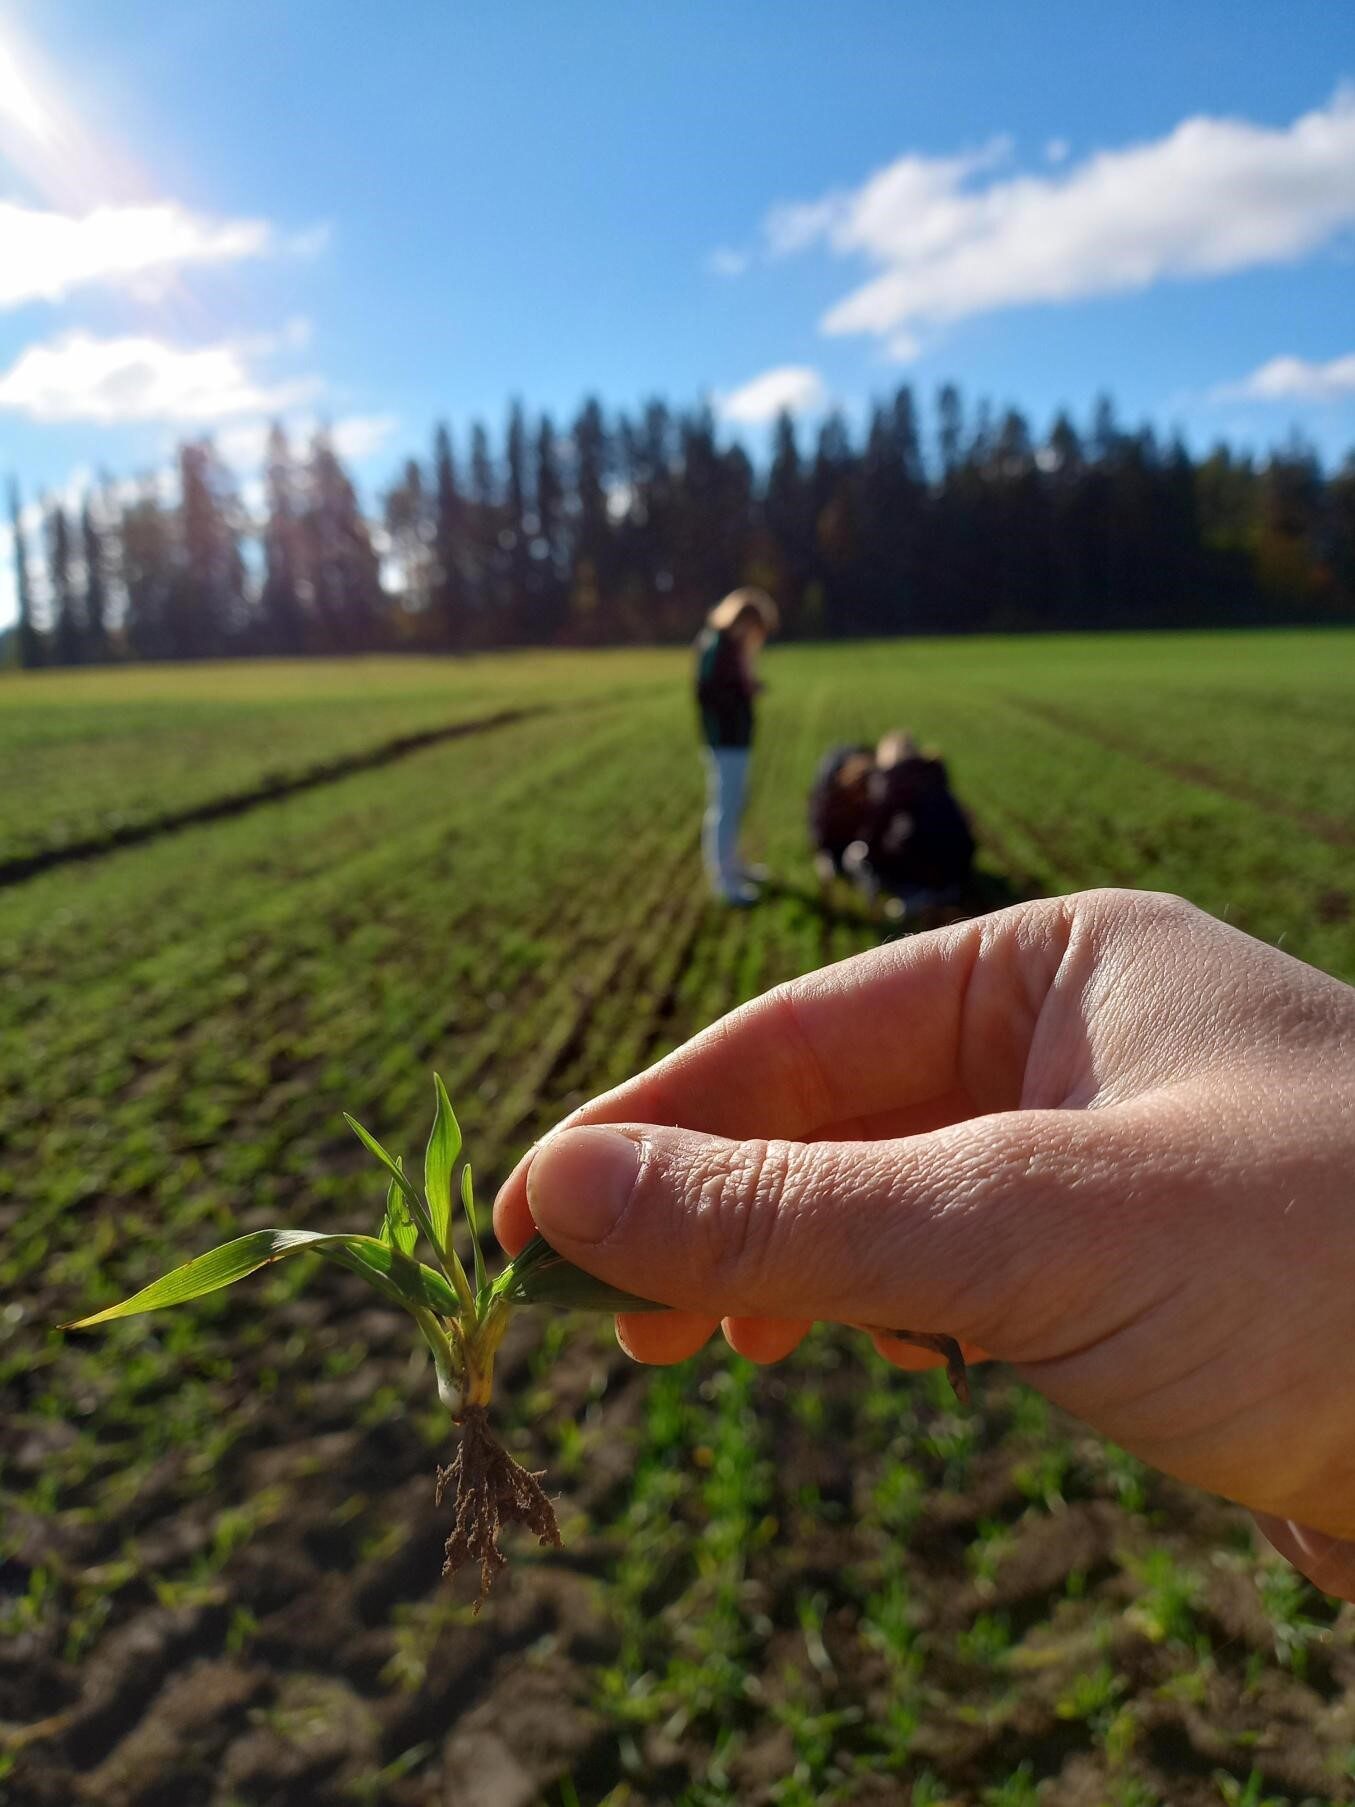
(444, 1145)
(407, 1282)
(394, 1168)
(398, 1228)
(447, 1256)
(468, 1206)
(392, 1272)
(540, 1276)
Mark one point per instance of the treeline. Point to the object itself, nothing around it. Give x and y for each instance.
(626, 528)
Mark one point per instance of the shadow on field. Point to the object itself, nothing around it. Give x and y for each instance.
(838, 906)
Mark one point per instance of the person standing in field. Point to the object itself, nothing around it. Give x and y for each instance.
(726, 683)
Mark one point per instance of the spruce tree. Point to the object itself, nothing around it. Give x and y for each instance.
(282, 610)
(449, 544)
(68, 637)
(591, 561)
(344, 571)
(789, 525)
(486, 553)
(207, 598)
(96, 586)
(409, 524)
(546, 548)
(146, 560)
(29, 639)
(518, 528)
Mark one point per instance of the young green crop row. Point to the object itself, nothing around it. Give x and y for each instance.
(820, 1580)
(90, 755)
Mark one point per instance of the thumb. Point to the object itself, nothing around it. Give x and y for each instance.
(995, 1230)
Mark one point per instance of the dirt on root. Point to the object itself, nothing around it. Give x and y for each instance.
(492, 1491)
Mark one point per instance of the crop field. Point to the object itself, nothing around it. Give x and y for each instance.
(818, 1583)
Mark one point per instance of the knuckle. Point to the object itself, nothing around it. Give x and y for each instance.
(741, 1206)
(1143, 908)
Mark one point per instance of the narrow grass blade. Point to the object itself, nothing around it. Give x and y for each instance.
(419, 1211)
(444, 1145)
(468, 1206)
(398, 1228)
(406, 1282)
(540, 1276)
(397, 1172)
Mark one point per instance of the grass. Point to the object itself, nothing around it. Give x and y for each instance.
(803, 1583)
(95, 754)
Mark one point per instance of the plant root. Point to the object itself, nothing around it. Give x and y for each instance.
(492, 1491)
(946, 1346)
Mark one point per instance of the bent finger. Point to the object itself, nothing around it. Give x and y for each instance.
(1328, 1562)
(912, 1359)
(765, 1340)
(663, 1337)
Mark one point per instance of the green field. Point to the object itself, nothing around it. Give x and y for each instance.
(820, 1583)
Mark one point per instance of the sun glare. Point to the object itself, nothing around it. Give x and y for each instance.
(20, 103)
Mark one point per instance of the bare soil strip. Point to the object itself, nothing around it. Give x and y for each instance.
(237, 803)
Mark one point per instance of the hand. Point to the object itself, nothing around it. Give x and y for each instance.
(1104, 1138)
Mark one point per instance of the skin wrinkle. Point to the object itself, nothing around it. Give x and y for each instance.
(1175, 1265)
(817, 1094)
(745, 1220)
(991, 944)
(1069, 987)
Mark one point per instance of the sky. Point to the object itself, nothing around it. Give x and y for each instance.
(379, 217)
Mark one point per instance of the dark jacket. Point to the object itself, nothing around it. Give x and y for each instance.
(840, 808)
(920, 838)
(723, 692)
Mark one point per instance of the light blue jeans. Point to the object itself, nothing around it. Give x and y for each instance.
(726, 782)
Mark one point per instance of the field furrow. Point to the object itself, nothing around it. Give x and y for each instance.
(816, 1584)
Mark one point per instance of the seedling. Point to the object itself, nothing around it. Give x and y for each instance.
(461, 1317)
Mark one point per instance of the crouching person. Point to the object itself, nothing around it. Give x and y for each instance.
(839, 809)
(920, 846)
(726, 684)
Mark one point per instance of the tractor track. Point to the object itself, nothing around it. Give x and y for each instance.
(21, 867)
(1327, 828)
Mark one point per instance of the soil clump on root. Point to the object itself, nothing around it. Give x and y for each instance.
(491, 1492)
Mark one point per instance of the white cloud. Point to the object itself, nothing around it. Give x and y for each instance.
(726, 261)
(1056, 150)
(243, 444)
(45, 255)
(360, 435)
(1293, 379)
(309, 242)
(792, 387)
(1212, 196)
(904, 348)
(78, 377)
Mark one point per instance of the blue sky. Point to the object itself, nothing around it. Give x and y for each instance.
(386, 215)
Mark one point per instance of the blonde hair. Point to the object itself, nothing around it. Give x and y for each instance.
(895, 748)
(739, 605)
